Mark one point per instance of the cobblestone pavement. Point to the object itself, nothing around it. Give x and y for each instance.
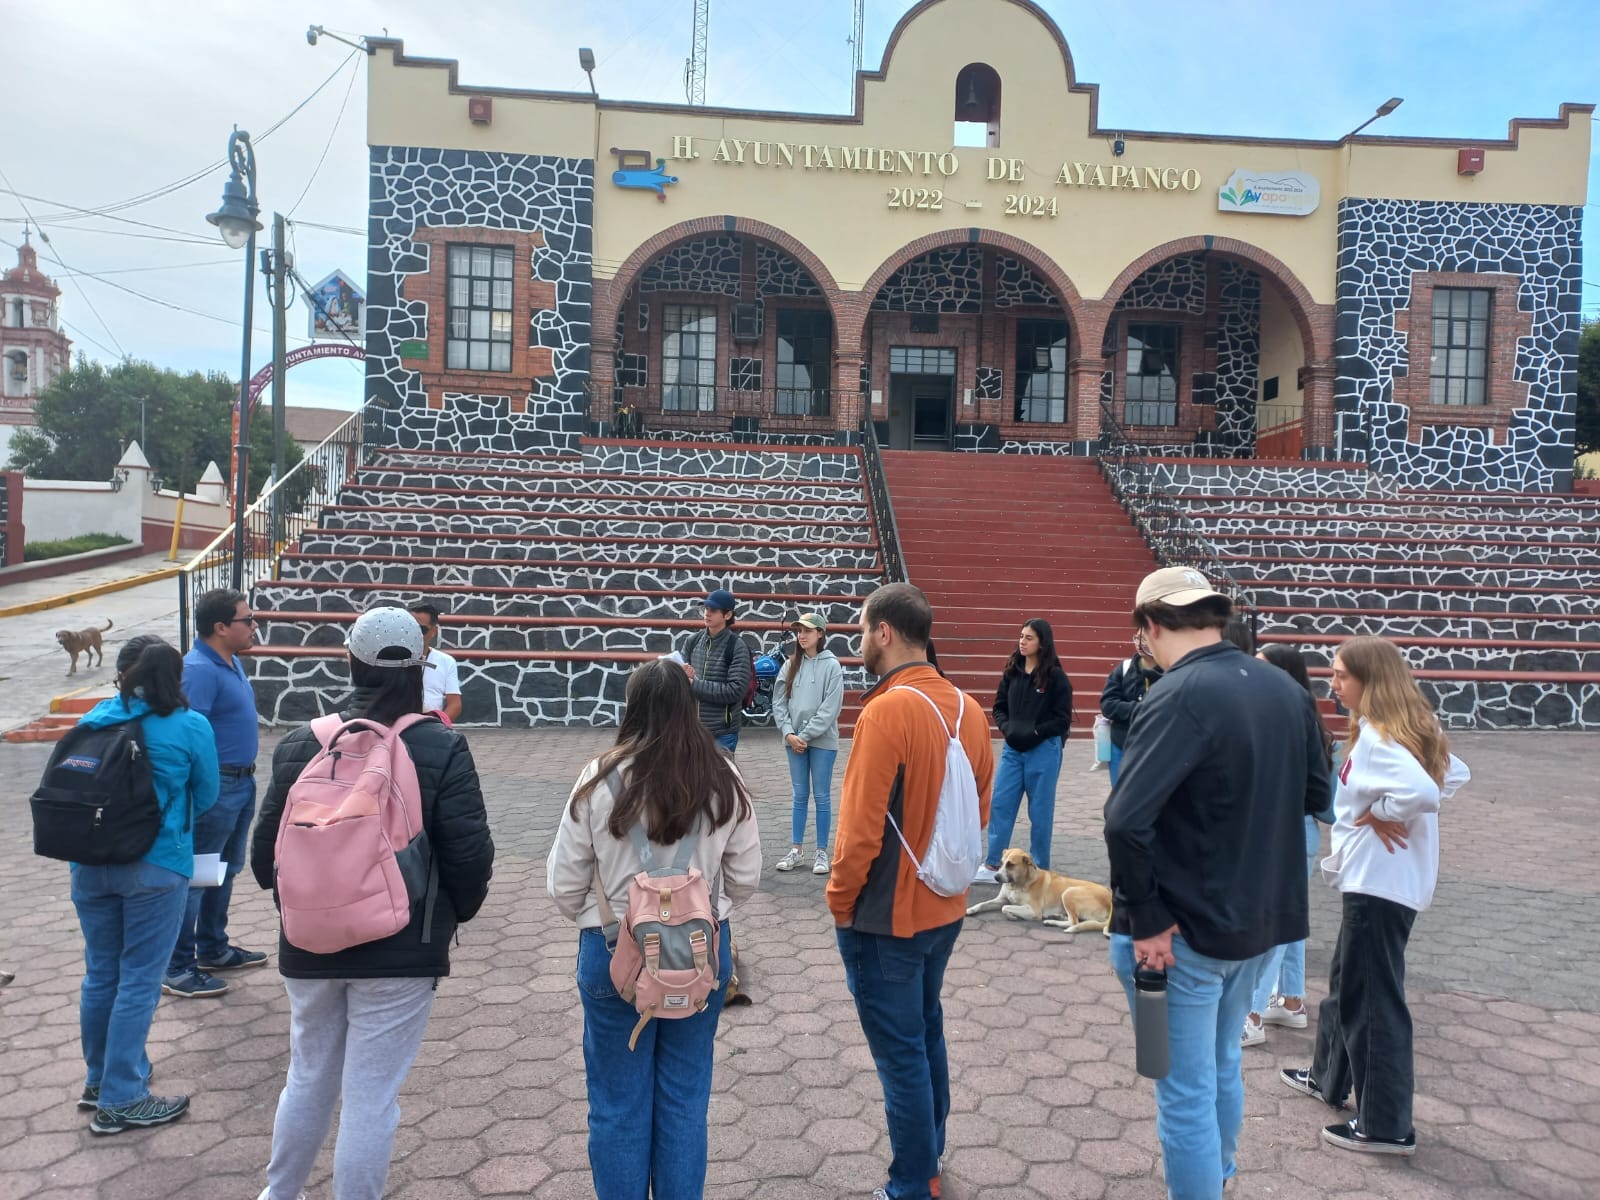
(1046, 1101)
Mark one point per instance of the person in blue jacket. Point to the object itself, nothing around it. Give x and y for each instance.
(130, 911)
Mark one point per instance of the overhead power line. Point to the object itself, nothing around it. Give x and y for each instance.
(321, 158)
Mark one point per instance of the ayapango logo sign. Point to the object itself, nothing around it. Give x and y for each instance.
(1279, 193)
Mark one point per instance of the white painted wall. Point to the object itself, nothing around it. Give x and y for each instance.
(62, 508)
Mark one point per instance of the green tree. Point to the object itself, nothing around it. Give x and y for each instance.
(91, 412)
(1588, 430)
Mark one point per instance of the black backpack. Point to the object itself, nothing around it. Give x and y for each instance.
(97, 803)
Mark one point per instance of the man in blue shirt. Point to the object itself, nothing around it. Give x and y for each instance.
(217, 688)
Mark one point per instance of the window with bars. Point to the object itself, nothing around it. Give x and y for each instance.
(922, 360)
(1041, 379)
(479, 290)
(688, 357)
(1459, 371)
(1152, 380)
(805, 356)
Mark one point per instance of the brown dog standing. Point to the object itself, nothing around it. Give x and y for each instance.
(85, 642)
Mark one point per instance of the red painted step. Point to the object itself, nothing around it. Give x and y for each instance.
(974, 537)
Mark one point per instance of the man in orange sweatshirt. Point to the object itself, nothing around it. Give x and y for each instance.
(895, 934)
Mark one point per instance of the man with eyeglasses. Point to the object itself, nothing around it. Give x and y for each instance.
(441, 686)
(1127, 684)
(217, 688)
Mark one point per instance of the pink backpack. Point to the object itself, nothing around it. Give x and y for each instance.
(352, 856)
(665, 958)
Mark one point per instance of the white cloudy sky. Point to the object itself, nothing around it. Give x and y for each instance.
(103, 101)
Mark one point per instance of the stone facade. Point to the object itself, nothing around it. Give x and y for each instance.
(544, 206)
(1383, 244)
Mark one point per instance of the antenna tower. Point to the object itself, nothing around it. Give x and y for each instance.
(694, 67)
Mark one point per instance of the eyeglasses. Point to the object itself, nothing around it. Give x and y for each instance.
(243, 620)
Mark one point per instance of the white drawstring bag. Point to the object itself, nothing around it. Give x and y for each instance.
(956, 848)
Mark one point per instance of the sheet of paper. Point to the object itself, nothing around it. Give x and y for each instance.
(209, 871)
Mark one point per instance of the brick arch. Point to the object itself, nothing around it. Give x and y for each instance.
(609, 298)
(1314, 320)
(857, 313)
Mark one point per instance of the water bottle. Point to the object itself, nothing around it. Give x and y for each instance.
(1150, 1022)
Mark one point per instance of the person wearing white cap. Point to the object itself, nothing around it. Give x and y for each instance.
(357, 1016)
(805, 706)
(1205, 830)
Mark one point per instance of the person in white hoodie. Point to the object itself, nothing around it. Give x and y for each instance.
(1397, 769)
(805, 707)
(665, 776)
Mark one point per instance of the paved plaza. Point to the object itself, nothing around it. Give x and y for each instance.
(1046, 1102)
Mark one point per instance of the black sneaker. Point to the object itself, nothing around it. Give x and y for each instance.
(90, 1100)
(192, 984)
(232, 959)
(152, 1110)
(1301, 1081)
(1349, 1137)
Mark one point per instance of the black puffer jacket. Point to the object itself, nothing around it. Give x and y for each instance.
(458, 832)
(1028, 716)
(1127, 684)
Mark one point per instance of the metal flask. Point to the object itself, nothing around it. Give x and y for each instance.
(1150, 1023)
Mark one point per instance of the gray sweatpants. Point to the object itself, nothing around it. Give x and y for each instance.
(358, 1037)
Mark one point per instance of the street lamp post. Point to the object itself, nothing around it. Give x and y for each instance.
(236, 222)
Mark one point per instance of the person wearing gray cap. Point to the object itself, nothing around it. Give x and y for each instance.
(1205, 830)
(357, 1016)
(805, 707)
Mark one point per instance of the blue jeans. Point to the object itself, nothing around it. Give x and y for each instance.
(647, 1106)
(223, 829)
(811, 774)
(1200, 1104)
(1283, 968)
(729, 741)
(1115, 765)
(896, 984)
(1034, 772)
(129, 914)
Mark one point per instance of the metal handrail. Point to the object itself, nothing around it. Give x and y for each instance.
(1158, 514)
(894, 563)
(282, 512)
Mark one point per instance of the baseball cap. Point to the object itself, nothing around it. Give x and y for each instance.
(810, 621)
(1177, 586)
(721, 599)
(381, 629)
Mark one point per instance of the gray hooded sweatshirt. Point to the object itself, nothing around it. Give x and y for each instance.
(812, 711)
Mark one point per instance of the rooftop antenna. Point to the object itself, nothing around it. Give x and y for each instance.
(855, 39)
(694, 67)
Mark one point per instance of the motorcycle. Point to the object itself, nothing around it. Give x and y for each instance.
(767, 668)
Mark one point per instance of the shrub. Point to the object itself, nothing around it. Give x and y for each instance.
(83, 543)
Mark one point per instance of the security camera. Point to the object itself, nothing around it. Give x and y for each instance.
(311, 35)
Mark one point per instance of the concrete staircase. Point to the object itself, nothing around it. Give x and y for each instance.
(558, 573)
(1493, 597)
(995, 539)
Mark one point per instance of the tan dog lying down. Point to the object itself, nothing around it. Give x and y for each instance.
(1027, 891)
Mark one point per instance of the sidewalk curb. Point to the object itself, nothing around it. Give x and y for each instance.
(99, 589)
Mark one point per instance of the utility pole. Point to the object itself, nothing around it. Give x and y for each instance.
(276, 270)
(694, 67)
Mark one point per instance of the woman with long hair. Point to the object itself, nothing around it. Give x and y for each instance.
(1281, 986)
(1033, 711)
(130, 912)
(357, 1016)
(666, 775)
(1396, 770)
(805, 707)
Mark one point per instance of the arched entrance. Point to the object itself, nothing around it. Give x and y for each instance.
(969, 339)
(714, 326)
(1212, 347)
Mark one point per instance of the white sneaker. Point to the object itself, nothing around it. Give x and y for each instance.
(1253, 1034)
(266, 1194)
(789, 861)
(984, 874)
(1277, 1014)
(821, 866)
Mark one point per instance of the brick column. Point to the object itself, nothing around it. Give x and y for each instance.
(1316, 410)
